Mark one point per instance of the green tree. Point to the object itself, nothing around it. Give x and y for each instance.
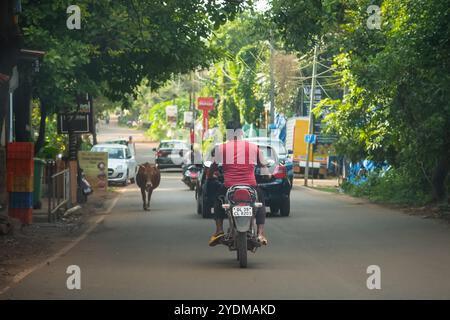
(119, 44)
(397, 79)
(236, 78)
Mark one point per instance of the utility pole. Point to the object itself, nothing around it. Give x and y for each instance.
(311, 118)
(272, 82)
(192, 109)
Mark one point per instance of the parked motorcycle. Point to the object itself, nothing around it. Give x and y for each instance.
(240, 204)
(84, 188)
(190, 175)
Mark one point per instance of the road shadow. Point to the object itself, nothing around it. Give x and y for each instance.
(227, 263)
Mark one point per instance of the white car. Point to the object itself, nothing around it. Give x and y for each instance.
(122, 165)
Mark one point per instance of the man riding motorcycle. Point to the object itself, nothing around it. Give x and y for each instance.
(238, 159)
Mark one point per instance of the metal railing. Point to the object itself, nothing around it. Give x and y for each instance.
(58, 191)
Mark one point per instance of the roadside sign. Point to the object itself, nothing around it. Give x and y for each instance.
(188, 119)
(95, 167)
(306, 100)
(317, 94)
(326, 139)
(310, 138)
(80, 122)
(205, 103)
(84, 104)
(172, 115)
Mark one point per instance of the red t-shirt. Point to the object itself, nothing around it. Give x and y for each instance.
(238, 160)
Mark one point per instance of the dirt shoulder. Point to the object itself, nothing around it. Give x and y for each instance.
(331, 187)
(25, 247)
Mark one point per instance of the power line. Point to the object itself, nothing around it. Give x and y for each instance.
(328, 67)
(324, 89)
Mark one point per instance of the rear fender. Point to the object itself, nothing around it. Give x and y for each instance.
(242, 223)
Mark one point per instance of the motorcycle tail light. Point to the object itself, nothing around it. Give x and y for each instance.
(226, 206)
(242, 195)
(279, 172)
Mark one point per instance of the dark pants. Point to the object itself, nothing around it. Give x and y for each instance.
(219, 213)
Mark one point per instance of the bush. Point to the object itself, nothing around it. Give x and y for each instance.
(396, 186)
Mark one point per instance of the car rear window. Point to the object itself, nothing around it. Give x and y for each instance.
(269, 153)
(113, 153)
(276, 144)
(172, 145)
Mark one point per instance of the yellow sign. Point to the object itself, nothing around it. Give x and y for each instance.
(95, 168)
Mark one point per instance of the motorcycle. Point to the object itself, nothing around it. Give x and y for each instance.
(240, 204)
(84, 188)
(190, 176)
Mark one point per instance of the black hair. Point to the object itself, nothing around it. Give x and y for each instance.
(233, 125)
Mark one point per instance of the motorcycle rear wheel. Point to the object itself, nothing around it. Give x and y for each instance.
(242, 249)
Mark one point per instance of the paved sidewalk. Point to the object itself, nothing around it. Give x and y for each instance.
(299, 181)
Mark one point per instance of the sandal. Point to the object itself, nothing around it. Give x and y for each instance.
(263, 240)
(215, 239)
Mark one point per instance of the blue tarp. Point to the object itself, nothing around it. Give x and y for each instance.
(359, 172)
(278, 128)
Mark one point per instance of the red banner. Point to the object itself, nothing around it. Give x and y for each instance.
(205, 103)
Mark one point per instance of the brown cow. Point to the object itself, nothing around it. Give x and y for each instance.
(147, 178)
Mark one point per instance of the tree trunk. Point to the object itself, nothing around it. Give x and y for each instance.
(94, 130)
(41, 138)
(22, 110)
(439, 179)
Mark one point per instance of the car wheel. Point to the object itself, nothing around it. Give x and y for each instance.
(125, 183)
(285, 207)
(274, 210)
(199, 207)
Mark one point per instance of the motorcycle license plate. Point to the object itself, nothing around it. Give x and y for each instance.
(242, 211)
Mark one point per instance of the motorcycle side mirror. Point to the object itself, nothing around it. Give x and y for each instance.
(154, 149)
(290, 152)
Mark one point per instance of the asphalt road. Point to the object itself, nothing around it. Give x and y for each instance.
(112, 131)
(322, 251)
